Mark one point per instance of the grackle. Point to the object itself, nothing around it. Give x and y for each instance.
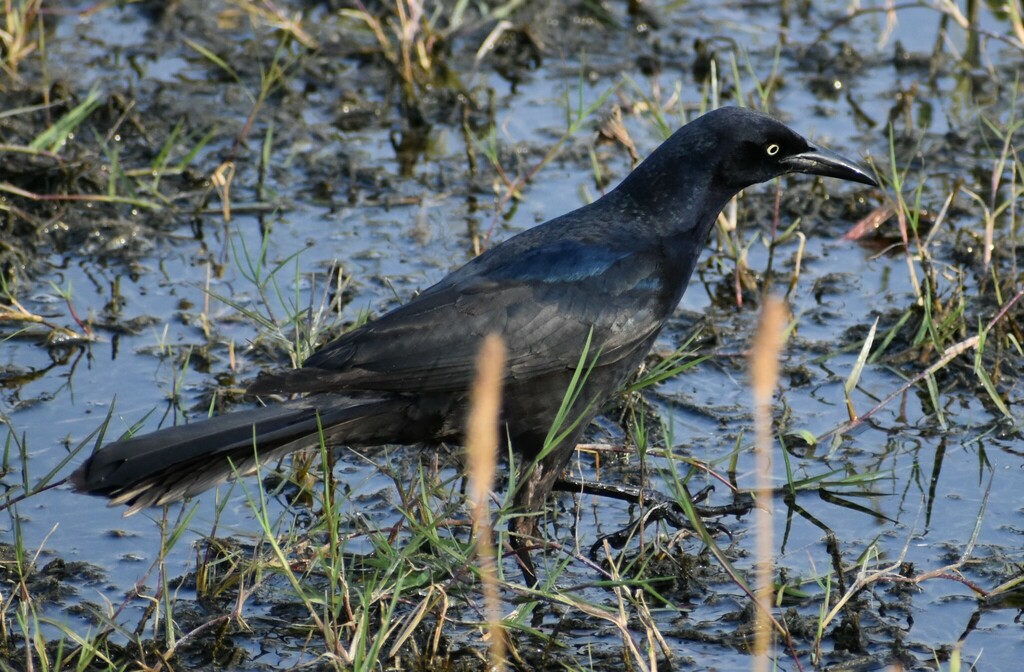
(611, 272)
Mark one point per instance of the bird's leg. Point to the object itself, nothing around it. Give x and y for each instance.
(521, 530)
(534, 487)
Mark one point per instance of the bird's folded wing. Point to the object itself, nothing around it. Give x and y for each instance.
(430, 343)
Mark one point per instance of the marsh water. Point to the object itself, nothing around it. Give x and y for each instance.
(288, 161)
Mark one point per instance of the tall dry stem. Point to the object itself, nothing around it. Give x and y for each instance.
(481, 465)
(764, 376)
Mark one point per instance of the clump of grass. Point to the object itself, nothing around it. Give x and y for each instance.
(20, 19)
(412, 39)
(291, 322)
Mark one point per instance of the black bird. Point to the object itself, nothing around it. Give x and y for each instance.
(612, 271)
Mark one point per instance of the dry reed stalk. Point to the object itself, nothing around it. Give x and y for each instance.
(764, 376)
(481, 464)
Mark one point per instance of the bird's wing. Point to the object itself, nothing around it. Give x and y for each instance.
(543, 303)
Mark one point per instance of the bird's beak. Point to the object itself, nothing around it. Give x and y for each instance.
(824, 162)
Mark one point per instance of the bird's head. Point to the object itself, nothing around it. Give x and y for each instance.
(751, 147)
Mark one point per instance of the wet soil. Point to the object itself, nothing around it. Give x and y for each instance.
(178, 177)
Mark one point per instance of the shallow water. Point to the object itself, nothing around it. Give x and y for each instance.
(401, 233)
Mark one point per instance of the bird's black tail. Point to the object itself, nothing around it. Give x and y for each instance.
(177, 462)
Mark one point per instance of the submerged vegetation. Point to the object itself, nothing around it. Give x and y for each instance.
(192, 191)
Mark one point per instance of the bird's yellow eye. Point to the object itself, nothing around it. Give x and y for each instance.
(772, 149)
